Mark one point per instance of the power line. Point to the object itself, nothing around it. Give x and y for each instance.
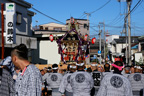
(48, 16)
(115, 19)
(97, 9)
(106, 25)
(82, 15)
(138, 3)
(100, 7)
(94, 29)
(120, 19)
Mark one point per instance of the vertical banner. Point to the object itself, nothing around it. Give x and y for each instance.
(10, 23)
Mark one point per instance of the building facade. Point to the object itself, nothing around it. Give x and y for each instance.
(83, 26)
(117, 46)
(47, 51)
(24, 33)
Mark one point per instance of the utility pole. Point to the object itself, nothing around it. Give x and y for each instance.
(2, 29)
(104, 37)
(126, 42)
(99, 42)
(88, 14)
(129, 32)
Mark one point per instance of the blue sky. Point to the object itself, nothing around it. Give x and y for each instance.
(64, 9)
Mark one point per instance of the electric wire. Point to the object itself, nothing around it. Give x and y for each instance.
(100, 7)
(47, 16)
(97, 9)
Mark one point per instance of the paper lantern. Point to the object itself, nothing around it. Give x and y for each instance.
(51, 37)
(93, 40)
(85, 38)
(64, 51)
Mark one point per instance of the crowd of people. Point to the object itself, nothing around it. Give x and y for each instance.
(18, 77)
(97, 80)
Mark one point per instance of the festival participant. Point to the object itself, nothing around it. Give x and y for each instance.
(115, 84)
(44, 84)
(106, 69)
(97, 77)
(29, 80)
(54, 80)
(8, 62)
(94, 70)
(89, 70)
(6, 82)
(94, 66)
(65, 87)
(81, 81)
(100, 68)
(46, 88)
(132, 70)
(49, 70)
(137, 81)
(126, 71)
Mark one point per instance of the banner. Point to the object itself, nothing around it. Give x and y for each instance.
(10, 23)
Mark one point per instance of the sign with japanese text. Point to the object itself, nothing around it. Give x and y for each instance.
(10, 23)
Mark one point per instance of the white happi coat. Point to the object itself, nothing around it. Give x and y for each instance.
(54, 81)
(81, 83)
(45, 78)
(137, 82)
(115, 85)
(65, 84)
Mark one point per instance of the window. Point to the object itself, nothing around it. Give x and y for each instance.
(85, 25)
(18, 18)
(46, 28)
(88, 27)
(58, 29)
(41, 27)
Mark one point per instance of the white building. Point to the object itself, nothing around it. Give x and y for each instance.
(117, 45)
(47, 52)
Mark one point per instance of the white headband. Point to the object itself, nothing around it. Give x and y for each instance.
(73, 67)
(81, 64)
(49, 69)
(94, 64)
(55, 68)
(138, 67)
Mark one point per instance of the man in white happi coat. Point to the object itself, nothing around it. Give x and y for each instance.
(115, 84)
(81, 81)
(106, 69)
(137, 81)
(45, 84)
(54, 80)
(126, 71)
(65, 87)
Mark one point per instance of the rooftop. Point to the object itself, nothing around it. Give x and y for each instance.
(53, 25)
(134, 39)
(23, 3)
(78, 19)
